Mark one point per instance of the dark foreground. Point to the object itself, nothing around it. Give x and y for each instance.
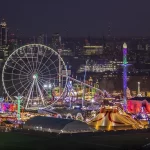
(30, 141)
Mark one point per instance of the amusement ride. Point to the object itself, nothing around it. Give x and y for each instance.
(33, 71)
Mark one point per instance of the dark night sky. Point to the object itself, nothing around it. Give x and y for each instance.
(79, 17)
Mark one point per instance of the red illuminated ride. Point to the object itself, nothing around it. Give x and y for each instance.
(135, 105)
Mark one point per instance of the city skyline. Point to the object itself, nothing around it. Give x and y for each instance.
(77, 18)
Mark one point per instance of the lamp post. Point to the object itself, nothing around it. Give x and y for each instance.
(18, 107)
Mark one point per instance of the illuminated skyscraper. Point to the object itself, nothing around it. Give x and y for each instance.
(3, 41)
(3, 33)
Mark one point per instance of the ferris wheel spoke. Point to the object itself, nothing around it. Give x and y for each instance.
(46, 81)
(40, 92)
(22, 86)
(14, 74)
(51, 70)
(42, 86)
(29, 94)
(48, 78)
(28, 61)
(43, 81)
(41, 60)
(37, 58)
(19, 64)
(52, 63)
(23, 62)
(13, 86)
(45, 64)
(27, 79)
(15, 79)
(15, 69)
(26, 88)
(49, 75)
(46, 60)
(32, 58)
(54, 68)
(18, 89)
(42, 72)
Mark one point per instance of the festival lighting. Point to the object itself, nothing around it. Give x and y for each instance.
(45, 86)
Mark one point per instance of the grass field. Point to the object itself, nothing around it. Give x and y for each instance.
(25, 141)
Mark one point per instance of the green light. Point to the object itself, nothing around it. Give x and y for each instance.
(49, 94)
(18, 107)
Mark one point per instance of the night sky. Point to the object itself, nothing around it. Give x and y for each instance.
(78, 17)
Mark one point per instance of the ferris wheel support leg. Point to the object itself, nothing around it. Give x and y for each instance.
(59, 76)
(40, 93)
(28, 99)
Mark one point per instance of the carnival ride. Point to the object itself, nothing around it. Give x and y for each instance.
(33, 72)
(77, 91)
(136, 106)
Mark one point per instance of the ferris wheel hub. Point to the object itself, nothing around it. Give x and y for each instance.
(35, 76)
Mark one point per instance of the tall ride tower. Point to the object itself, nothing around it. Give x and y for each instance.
(125, 64)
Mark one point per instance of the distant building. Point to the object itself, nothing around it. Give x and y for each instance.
(66, 52)
(3, 40)
(140, 47)
(56, 41)
(3, 33)
(100, 67)
(93, 50)
(147, 47)
(40, 39)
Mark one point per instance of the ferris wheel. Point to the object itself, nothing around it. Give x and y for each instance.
(34, 71)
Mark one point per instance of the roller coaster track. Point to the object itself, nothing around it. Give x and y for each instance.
(85, 84)
(82, 83)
